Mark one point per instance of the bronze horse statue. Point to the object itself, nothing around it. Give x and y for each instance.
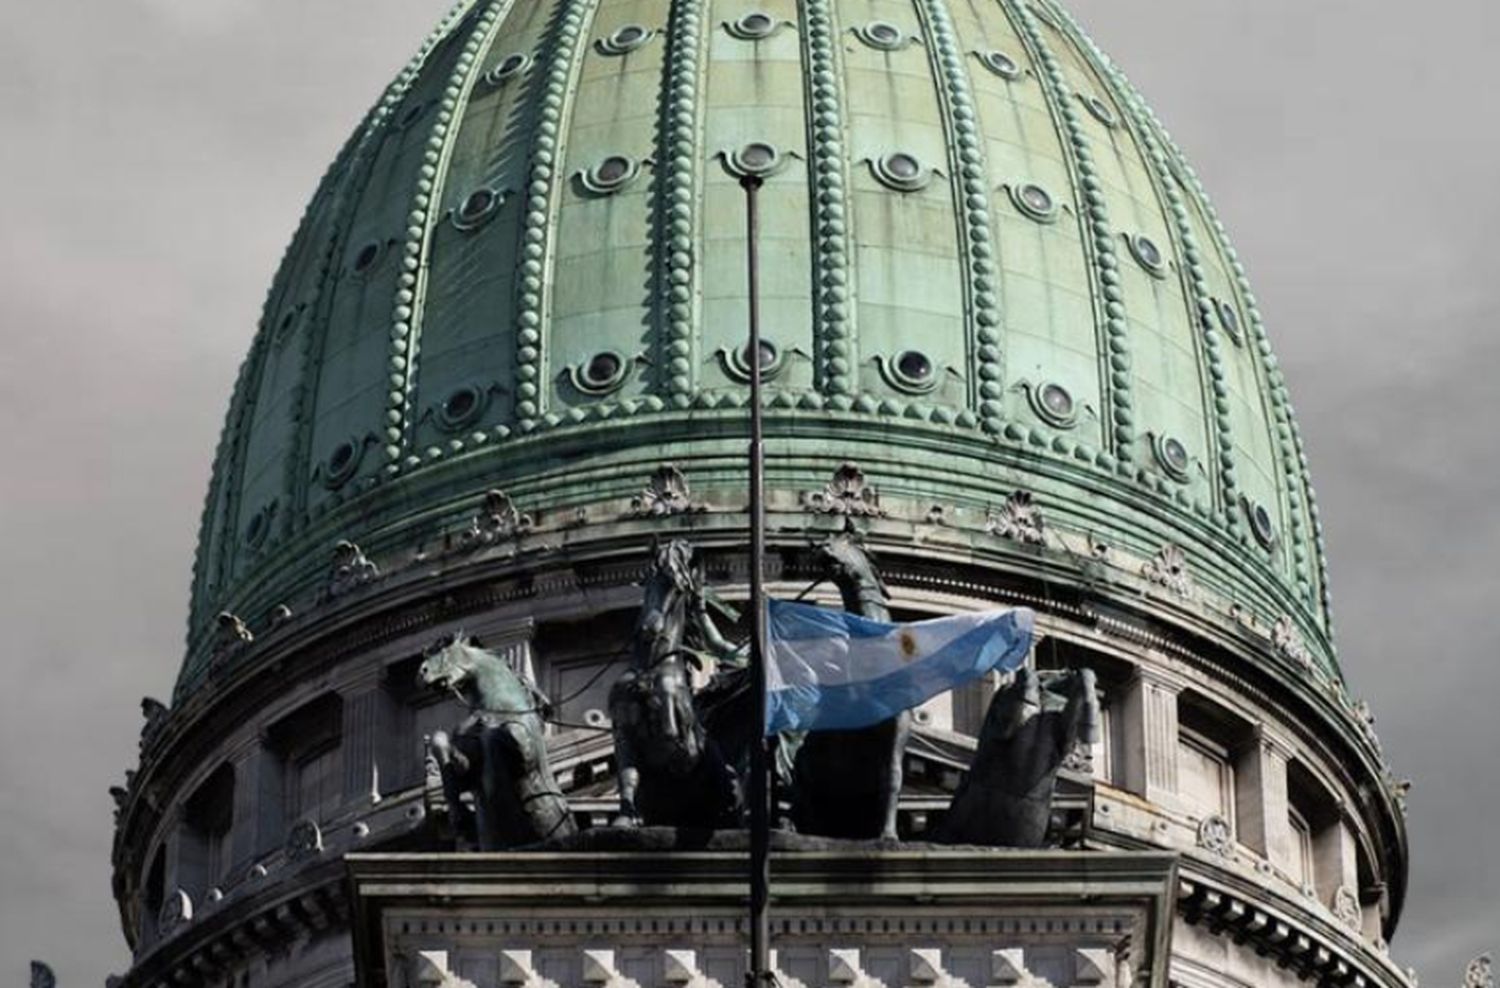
(498, 754)
(848, 783)
(671, 773)
(1032, 725)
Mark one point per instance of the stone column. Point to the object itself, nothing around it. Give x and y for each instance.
(1261, 804)
(1149, 759)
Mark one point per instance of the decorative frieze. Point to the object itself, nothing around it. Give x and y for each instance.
(304, 840)
(1287, 641)
(1216, 836)
(1479, 974)
(176, 912)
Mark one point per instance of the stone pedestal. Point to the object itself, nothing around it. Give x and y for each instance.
(859, 917)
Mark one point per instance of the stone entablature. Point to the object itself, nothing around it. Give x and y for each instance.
(862, 918)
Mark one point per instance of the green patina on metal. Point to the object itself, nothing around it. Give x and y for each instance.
(525, 272)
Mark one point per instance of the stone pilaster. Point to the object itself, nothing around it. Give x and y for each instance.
(1149, 759)
(1261, 802)
(372, 722)
(259, 795)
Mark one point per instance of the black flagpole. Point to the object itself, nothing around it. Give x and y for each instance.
(760, 830)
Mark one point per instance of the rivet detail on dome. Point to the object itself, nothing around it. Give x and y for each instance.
(406, 323)
(834, 340)
(1121, 410)
(960, 121)
(537, 222)
(677, 205)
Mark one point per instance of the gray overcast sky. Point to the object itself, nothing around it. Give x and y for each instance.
(157, 154)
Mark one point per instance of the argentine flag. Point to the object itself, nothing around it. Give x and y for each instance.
(831, 670)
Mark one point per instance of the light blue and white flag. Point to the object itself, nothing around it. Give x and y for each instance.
(831, 670)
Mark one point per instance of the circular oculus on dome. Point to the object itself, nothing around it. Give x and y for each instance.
(1054, 404)
(1261, 524)
(509, 67)
(366, 257)
(413, 114)
(601, 373)
(476, 208)
(882, 35)
(738, 360)
(753, 26)
(911, 371)
(1149, 256)
(1173, 456)
(342, 462)
(1100, 110)
(258, 529)
(610, 174)
(1002, 65)
(902, 171)
(625, 39)
(462, 407)
(1229, 320)
(759, 158)
(1034, 201)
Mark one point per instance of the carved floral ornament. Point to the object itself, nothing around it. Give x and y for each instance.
(1018, 519)
(667, 493)
(304, 840)
(1288, 641)
(1169, 568)
(351, 569)
(177, 911)
(497, 520)
(1215, 835)
(846, 494)
(1346, 907)
(1479, 973)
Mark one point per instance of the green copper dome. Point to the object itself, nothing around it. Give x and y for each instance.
(986, 270)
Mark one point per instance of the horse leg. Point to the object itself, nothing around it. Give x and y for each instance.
(891, 796)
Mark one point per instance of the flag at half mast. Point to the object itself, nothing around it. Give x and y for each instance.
(832, 670)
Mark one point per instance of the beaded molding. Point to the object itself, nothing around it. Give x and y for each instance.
(1289, 441)
(541, 191)
(407, 309)
(1121, 411)
(675, 201)
(976, 239)
(834, 336)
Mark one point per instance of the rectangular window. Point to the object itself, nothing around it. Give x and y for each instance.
(1302, 849)
(1205, 776)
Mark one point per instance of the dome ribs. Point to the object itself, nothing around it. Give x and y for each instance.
(408, 309)
(541, 204)
(1119, 410)
(677, 200)
(1199, 296)
(834, 333)
(972, 201)
(1308, 560)
(338, 184)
